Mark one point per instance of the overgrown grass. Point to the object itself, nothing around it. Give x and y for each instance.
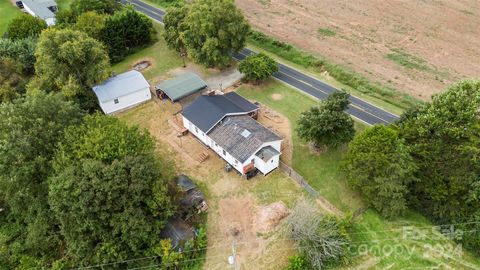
(7, 13)
(161, 57)
(163, 3)
(407, 60)
(340, 73)
(372, 236)
(327, 32)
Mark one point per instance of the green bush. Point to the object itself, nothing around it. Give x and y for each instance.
(258, 67)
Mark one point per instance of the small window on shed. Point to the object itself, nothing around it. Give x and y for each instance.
(115, 101)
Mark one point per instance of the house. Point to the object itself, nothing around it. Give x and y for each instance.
(180, 87)
(122, 92)
(226, 124)
(44, 9)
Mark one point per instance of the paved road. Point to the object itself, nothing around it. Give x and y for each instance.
(358, 108)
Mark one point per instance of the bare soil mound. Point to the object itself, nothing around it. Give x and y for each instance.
(268, 217)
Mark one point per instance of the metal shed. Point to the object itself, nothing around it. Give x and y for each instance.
(180, 87)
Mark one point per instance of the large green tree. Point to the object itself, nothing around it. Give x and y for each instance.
(109, 191)
(20, 50)
(24, 26)
(91, 23)
(125, 31)
(99, 6)
(77, 64)
(379, 165)
(30, 128)
(209, 30)
(258, 67)
(12, 80)
(327, 125)
(445, 138)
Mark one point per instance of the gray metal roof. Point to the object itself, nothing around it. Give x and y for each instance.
(178, 231)
(120, 85)
(229, 135)
(40, 8)
(182, 86)
(266, 153)
(206, 111)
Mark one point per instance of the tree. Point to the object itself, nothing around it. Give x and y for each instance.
(445, 139)
(125, 31)
(29, 131)
(258, 67)
(65, 18)
(209, 30)
(12, 81)
(91, 23)
(79, 62)
(321, 239)
(379, 165)
(444, 136)
(100, 6)
(174, 27)
(109, 191)
(327, 124)
(24, 26)
(20, 50)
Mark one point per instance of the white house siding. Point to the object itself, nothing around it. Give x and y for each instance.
(27, 9)
(127, 101)
(50, 21)
(259, 164)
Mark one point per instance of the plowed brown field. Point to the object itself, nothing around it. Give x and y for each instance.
(416, 46)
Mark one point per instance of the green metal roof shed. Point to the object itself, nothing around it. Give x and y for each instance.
(181, 86)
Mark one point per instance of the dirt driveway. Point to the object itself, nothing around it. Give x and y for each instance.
(439, 40)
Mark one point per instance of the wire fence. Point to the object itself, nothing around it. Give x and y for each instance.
(299, 179)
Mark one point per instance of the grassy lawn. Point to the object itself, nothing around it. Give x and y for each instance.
(7, 13)
(161, 57)
(372, 235)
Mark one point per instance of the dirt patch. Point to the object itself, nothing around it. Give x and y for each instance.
(443, 36)
(268, 217)
(142, 65)
(277, 96)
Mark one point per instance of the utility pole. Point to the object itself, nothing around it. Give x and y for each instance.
(232, 260)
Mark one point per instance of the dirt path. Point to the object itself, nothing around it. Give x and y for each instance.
(443, 37)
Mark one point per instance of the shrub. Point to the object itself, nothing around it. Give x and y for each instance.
(258, 67)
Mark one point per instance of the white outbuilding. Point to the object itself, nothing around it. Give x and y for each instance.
(44, 9)
(122, 92)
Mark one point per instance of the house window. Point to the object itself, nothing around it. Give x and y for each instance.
(224, 153)
(236, 162)
(115, 101)
(196, 129)
(253, 161)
